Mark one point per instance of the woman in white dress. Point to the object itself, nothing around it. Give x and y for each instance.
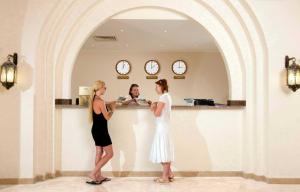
(162, 148)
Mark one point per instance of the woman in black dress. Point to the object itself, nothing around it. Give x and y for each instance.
(99, 116)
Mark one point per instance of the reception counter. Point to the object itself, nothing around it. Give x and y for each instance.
(219, 106)
(206, 138)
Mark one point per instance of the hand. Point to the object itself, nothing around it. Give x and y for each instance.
(153, 106)
(112, 102)
(113, 106)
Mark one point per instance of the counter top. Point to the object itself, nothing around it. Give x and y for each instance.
(147, 107)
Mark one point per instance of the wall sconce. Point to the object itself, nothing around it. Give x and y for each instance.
(8, 72)
(293, 73)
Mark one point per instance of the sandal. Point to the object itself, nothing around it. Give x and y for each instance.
(171, 178)
(105, 179)
(161, 180)
(93, 182)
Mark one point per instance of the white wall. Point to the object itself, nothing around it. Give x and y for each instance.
(12, 14)
(280, 23)
(205, 78)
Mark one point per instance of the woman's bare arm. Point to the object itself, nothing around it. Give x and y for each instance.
(101, 104)
(110, 102)
(158, 109)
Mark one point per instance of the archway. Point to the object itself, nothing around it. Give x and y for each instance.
(232, 24)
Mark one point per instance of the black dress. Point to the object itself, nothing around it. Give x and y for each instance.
(100, 131)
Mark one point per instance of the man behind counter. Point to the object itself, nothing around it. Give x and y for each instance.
(134, 96)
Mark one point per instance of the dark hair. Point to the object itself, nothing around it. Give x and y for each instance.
(163, 84)
(130, 89)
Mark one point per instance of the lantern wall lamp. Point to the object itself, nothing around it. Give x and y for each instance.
(293, 73)
(8, 72)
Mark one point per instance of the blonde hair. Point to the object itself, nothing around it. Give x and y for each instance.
(96, 86)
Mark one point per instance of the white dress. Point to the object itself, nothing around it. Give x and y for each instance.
(162, 147)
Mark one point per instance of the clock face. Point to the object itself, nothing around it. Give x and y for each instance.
(123, 67)
(179, 67)
(152, 67)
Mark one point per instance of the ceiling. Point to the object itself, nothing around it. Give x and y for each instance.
(153, 35)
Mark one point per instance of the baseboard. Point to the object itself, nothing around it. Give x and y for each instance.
(14, 181)
(37, 178)
(262, 178)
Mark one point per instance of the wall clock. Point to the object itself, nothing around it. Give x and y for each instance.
(179, 67)
(123, 68)
(152, 68)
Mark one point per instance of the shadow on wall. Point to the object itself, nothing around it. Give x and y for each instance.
(124, 145)
(145, 128)
(132, 136)
(188, 140)
(25, 75)
(2, 60)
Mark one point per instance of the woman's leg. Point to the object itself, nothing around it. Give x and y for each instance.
(171, 175)
(108, 155)
(99, 153)
(166, 170)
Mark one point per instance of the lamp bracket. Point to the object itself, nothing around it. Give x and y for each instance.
(14, 58)
(287, 60)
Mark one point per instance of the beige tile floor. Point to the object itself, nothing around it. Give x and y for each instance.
(143, 184)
